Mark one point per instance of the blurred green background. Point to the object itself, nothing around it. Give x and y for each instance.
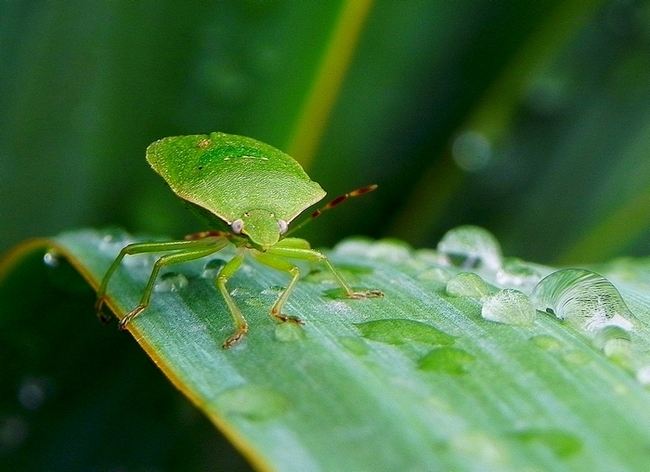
(531, 119)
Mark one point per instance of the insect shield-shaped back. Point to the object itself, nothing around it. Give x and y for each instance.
(234, 176)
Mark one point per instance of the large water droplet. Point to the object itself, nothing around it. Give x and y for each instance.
(508, 306)
(398, 331)
(448, 360)
(467, 284)
(583, 298)
(255, 403)
(471, 247)
(171, 282)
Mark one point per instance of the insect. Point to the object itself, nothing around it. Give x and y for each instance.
(248, 192)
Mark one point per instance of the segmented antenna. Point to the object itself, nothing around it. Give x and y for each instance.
(355, 193)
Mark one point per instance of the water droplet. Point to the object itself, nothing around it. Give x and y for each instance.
(467, 284)
(448, 360)
(33, 391)
(253, 402)
(114, 240)
(486, 452)
(289, 332)
(356, 346)
(212, 268)
(52, 258)
(171, 282)
(547, 342)
(434, 275)
(399, 331)
(516, 273)
(561, 443)
(432, 257)
(390, 250)
(471, 151)
(616, 344)
(508, 306)
(583, 298)
(643, 375)
(471, 247)
(353, 247)
(578, 358)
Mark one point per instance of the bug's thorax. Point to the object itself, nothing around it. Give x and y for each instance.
(262, 228)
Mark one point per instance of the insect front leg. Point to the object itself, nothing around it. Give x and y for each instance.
(280, 264)
(225, 273)
(297, 248)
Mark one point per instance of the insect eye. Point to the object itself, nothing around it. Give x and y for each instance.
(237, 226)
(247, 214)
(283, 226)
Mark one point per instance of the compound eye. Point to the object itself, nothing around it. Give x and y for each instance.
(283, 226)
(237, 226)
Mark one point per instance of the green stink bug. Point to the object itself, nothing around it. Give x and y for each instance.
(248, 192)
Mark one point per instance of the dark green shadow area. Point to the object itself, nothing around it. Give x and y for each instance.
(78, 395)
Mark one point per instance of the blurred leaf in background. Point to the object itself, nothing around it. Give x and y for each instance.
(528, 118)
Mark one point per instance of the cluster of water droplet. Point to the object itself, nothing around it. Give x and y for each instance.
(579, 297)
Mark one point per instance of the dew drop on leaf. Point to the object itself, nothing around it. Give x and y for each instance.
(289, 332)
(390, 250)
(561, 443)
(114, 240)
(583, 298)
(508, 306)
(400, 331)
(356, 346)
(467, 284)
(448, 360)
(616, 343)
(643, 376)
(51, 259)
(255, 403)
(546, 342)
(471, 247)
(171, 282)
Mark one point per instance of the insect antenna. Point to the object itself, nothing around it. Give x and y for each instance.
(340, 199)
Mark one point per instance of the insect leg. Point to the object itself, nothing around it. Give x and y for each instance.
(145, 248)
(225, 273)
(299, 249)
(280, 264)
(186, 255)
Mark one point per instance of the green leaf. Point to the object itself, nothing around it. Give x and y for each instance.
(417, 380)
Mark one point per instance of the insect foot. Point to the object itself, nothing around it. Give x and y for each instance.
(130, 315)
(241, 331)
(99, 305)
(282, 318)
(366, 294)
